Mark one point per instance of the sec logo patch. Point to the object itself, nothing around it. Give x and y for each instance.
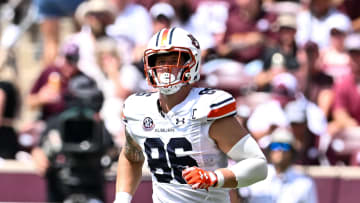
(148, 123)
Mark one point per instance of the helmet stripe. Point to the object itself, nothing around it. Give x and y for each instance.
(157, 38)
(171, 34)
(164, 37)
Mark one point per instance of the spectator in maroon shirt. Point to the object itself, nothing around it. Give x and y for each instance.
(351, 8)
(346, 111)
(49, 90)
(248, 25)
(316, 85)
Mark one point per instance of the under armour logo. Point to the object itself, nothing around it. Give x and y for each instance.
(178, 121)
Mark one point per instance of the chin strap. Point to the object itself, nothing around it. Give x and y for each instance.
(170, 90)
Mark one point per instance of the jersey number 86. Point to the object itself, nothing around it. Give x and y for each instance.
(177, 164)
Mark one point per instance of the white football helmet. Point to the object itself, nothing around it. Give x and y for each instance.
(166, 76)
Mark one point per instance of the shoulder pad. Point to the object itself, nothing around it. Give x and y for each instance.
(214, 104)
(134, 105)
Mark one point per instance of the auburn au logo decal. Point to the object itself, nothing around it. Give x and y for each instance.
(194, 41)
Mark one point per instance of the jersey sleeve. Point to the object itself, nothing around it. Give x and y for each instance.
(133, 108)
(127, 111)
(221, 105)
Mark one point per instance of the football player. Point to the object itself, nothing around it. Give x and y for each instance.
(184, 133)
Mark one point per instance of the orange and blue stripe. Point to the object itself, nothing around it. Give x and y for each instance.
(224, 108)
(166, 36)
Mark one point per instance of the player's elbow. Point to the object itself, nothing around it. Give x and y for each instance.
(132, 157)
(250, 171)
(257, 172)
(262, 170)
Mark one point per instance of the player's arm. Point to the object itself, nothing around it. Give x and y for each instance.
(129, 170)
(231, 138)
(234, 140)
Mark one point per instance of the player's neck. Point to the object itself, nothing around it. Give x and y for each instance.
(167, 102)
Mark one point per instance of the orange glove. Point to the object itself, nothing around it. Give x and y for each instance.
(199, 178)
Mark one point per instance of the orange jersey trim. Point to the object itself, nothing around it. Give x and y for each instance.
(222, 111)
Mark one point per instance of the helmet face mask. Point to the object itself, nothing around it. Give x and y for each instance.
(167, 72)
(173, 62)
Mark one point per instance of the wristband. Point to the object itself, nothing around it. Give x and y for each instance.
(220, 179)
(123, 197)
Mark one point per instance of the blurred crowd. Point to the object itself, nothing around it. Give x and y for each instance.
(291, 64)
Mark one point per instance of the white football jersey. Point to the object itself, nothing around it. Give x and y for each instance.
(178, 139)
